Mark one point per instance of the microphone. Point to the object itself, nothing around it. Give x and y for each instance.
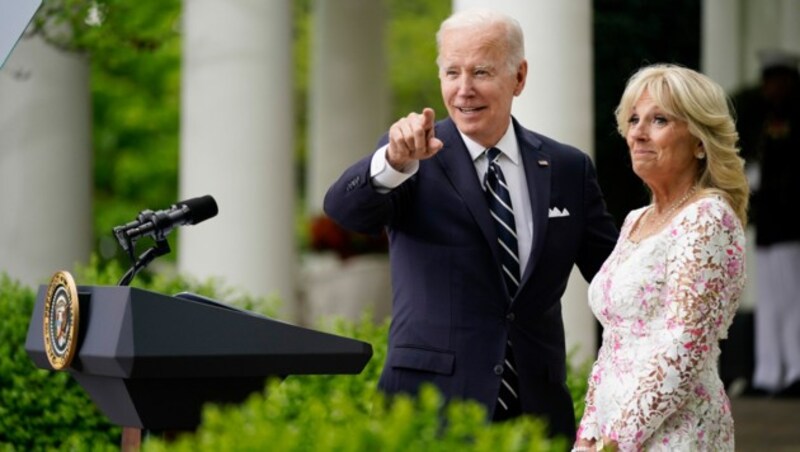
(159, 223)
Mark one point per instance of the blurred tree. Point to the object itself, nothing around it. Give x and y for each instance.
(135, 87)
(136, 101)
(412, 55)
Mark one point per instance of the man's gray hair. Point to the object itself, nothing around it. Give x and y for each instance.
(481, 17)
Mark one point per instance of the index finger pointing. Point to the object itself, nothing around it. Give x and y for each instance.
(429, 117)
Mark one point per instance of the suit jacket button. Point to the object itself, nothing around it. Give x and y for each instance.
(510, 317)
(498, 369)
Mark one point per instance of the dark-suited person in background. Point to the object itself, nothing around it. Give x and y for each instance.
(668, 293)
(769, 127)
(481, 247)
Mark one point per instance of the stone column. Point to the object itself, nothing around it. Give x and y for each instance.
(45, 162)
(721, 42)
(348, 110)
(790, 25)
(237, 144)
(768, 24)
(348, 96)
(558, 101)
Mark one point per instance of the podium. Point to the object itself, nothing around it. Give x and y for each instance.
(151, 361)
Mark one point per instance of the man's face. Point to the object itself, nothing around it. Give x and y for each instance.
(477, 85)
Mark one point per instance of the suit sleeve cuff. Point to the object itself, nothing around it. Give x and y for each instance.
(384, 177)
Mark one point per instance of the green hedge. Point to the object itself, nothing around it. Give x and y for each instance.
(39, 409)
(347, 413)
(43, 410)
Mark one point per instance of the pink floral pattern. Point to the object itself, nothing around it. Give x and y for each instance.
(664, 304)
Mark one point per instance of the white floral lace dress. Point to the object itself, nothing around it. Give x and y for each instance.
(664, 304)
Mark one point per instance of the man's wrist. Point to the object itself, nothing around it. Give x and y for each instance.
(383, 176)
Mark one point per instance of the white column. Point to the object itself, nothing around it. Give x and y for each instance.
(790, 25)
(558, 101)
(348, 96)
(237, 144)
(721, 46)
(348, 106)
(768, 24)
(45, 162)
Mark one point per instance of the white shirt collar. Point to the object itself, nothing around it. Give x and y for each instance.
(507, 145)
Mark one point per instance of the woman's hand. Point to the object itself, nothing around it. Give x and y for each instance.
(584, 445)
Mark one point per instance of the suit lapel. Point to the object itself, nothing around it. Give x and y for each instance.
(537, 164)
(460, 170)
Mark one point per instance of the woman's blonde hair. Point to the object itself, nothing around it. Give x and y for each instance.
(695, 98)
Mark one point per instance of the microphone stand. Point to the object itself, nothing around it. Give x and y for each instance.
(127, 241)
(155, 225)
(160, 248)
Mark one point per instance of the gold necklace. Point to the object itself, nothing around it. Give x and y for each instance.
(671, 210)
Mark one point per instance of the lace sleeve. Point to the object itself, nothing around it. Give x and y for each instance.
(588, 427)
(705, 276)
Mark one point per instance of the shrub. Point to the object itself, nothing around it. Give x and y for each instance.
(42, 410)
(347, 413)
(290, 418)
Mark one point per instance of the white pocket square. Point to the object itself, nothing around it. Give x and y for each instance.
(556, 212)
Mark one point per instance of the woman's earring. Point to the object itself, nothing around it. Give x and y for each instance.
(700, 155)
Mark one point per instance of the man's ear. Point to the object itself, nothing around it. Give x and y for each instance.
(522, 75)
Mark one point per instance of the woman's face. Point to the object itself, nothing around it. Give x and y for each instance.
(661, 147)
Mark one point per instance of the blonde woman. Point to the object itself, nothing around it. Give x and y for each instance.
(668, 292)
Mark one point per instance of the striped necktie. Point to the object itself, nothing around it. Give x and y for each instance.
(503, 215)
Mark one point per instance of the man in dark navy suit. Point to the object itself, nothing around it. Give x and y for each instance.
(466, 318)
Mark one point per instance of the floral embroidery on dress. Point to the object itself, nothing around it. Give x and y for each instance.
(665, 303)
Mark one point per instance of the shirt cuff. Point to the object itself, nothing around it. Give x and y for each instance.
(384, 177)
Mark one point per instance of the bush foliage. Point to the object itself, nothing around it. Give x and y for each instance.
(44, 410)
(347, 413)
(40, 409)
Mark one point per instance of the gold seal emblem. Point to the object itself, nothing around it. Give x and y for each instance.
(61, 320)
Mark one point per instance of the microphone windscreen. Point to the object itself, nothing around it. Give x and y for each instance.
(200, 209)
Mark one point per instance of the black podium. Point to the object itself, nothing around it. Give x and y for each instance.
(151, 361)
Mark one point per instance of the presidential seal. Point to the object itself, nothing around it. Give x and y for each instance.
(61, 320)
